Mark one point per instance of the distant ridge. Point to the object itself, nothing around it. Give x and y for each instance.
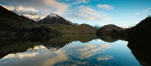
(54, 18)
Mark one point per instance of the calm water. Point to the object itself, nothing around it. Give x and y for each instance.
(74, 53)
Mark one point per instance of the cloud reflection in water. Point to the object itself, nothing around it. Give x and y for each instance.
(39, 55)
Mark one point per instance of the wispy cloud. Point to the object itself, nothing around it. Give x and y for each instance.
(138, 13)
(87, 51)
(104, 58)
(147, 10)
(8, 7)
(87, 13)
(59, 8)
(36, 57)
(81, 1)
(45, 6)
(21, 8)
(135, 14)
(105, 6)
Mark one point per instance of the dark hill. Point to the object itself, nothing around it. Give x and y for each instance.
(141, 30)
(13, 26)
(140, 43)
(109, 33)
(10, 20)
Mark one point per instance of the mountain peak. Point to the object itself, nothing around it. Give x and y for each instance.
(54, 18)
(52, 15)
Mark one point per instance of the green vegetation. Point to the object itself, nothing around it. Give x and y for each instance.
(69, 29)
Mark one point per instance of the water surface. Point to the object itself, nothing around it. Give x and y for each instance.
(94, 52)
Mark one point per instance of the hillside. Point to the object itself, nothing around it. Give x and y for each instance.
(69, 29)
(10, 20)
(139, 41)
(13, 26)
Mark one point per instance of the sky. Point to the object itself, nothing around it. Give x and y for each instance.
(123, 13)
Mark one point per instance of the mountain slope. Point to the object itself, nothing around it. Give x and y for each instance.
(139, 41)
(54, 18)
(10, 20)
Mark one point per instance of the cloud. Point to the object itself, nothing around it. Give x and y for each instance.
(87, 13)
(44, 6)
(59, 57)
(40, 56)
(81, 1)
(87, 51)
(35, 17)
(21, 10)
(128, 26)
(105, 6)
(104, 58)
(40, 47)
(74, 2)
(26, 54)
(8, 7)
(21, 55)
(34, 58)
(137, 13)
(147, 10)
(76, 63)
(60, 8)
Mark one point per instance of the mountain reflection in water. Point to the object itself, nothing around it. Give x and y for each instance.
(68, 50)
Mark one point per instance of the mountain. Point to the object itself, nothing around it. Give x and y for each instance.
(96, 26)
(55, 18)
(13, 26)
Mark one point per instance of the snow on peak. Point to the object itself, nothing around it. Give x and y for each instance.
(52, 15)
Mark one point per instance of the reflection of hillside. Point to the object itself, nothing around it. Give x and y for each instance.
(141, 52)
(58, 42)
(15, 46)
(74, 37)
(108, 38)
(21, 45)
(112, 33)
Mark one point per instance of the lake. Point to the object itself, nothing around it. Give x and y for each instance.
(66, 51)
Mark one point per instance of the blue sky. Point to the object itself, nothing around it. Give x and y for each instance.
(123, 13)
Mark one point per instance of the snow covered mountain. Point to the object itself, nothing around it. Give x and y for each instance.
(55, 18)
(96, 26)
